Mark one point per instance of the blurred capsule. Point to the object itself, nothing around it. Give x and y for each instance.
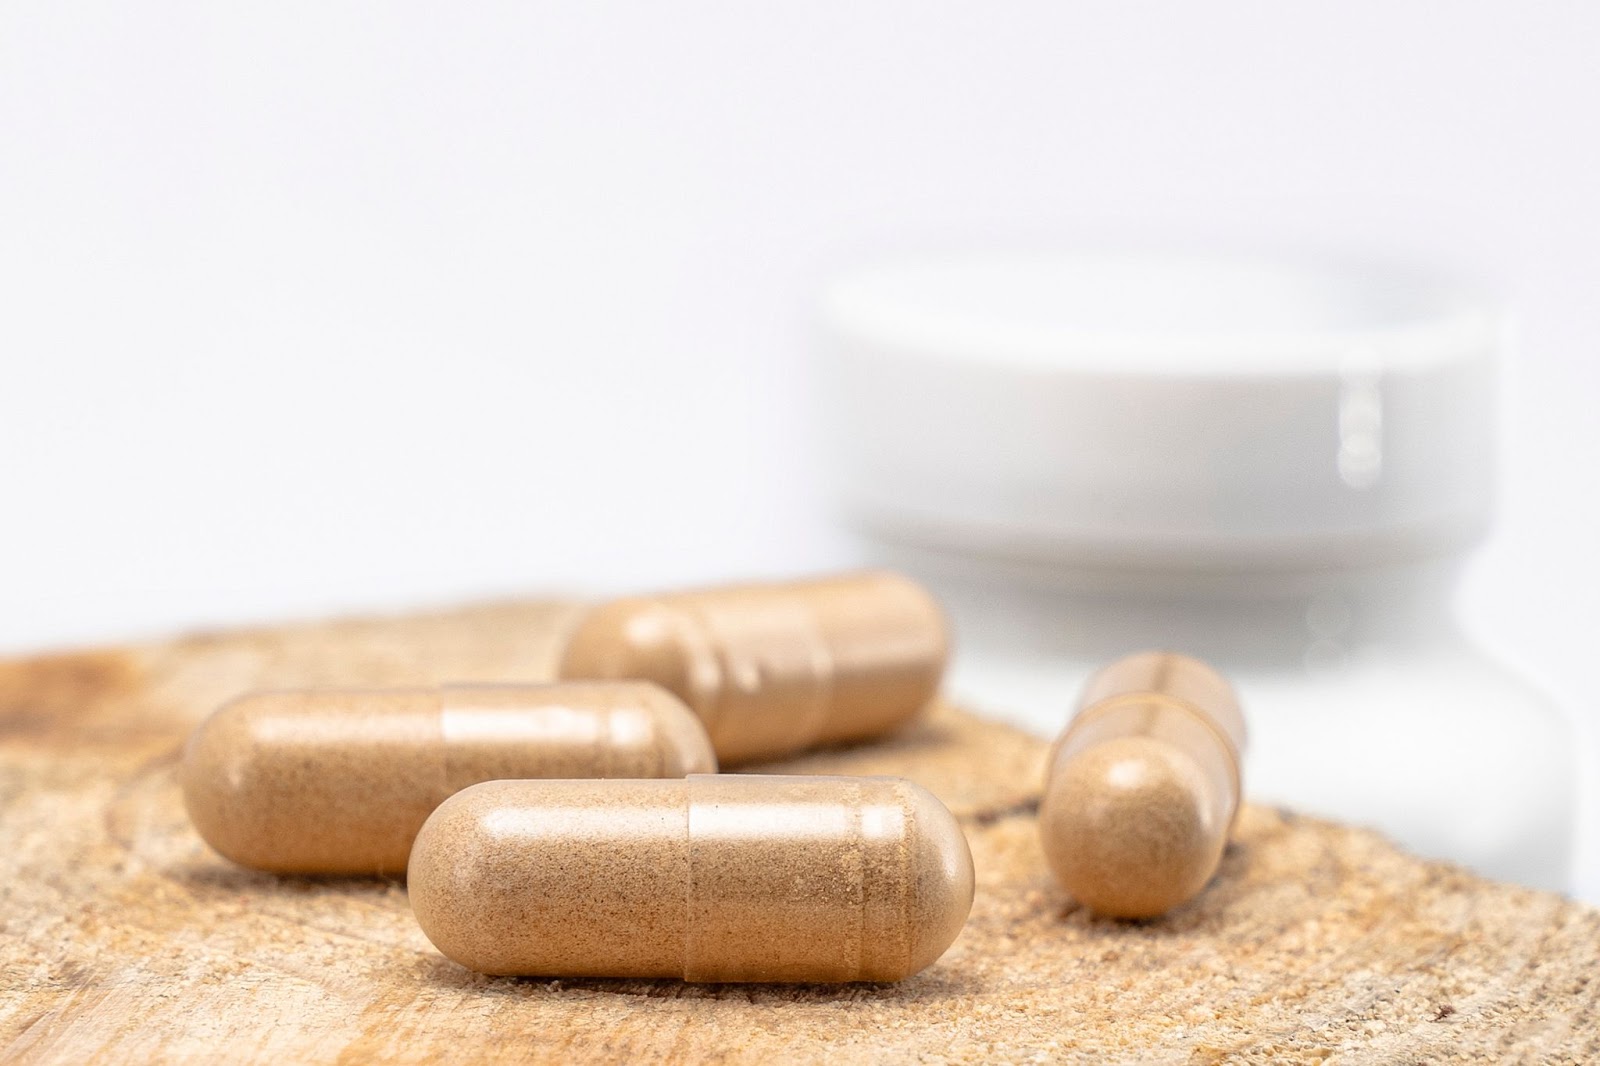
(775, 669)
(1143, 786)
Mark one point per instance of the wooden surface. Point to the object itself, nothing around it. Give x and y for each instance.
(126, 940)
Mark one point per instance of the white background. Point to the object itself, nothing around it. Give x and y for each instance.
(310, 308)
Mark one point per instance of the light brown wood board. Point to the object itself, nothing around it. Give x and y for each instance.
(126, 940)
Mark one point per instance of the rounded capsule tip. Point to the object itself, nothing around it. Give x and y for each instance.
(218, 775)
(640, 639)
(444, 869)
(1128, 828)
(681, 740)
(942, 878)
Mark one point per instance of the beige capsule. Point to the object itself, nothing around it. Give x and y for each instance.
(339, 782)
(775, 669)
(715, 878)
(1142, 788)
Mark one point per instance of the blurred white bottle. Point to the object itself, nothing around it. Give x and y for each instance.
(1276, 466)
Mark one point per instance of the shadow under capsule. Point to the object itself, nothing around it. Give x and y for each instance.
(913, 739)
(1204, 909)
(220, 877)
(932, 984)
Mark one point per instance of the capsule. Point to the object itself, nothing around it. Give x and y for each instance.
(714, 878)
(339, 782)
(1142, 788)
(776, 669)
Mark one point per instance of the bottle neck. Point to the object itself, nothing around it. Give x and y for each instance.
(1272, 620)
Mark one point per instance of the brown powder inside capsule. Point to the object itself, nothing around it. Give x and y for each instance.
(775, 669)
(725, 878)
(1143, 786)
(340, 781)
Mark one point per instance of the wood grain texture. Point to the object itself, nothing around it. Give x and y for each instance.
(126, 940)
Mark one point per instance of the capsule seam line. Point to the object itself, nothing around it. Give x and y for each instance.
(1121, 700)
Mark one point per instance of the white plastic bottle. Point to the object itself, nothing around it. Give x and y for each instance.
(1275, 466)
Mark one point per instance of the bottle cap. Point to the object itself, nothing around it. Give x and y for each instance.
(1148, 410)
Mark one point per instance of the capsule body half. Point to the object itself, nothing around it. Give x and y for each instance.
(775, 669)
(713, 878)
(1143, 787)
(339, 782)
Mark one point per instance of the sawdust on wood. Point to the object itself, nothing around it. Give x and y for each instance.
(126, 940)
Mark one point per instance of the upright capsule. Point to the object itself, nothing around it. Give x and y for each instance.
(1143, 786)
(775, 669)
(714, 878)
(339, 782)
